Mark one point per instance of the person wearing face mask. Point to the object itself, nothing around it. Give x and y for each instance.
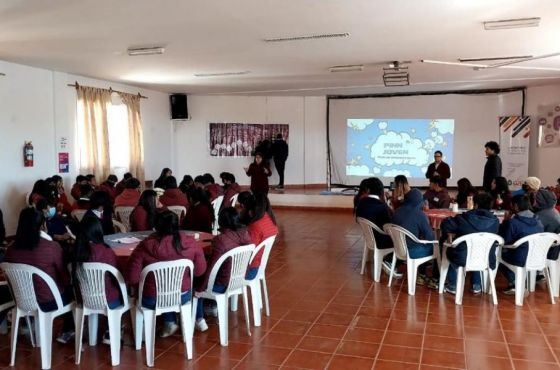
(56, 227)
(101, 208)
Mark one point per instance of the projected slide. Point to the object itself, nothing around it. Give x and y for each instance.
(390, 147)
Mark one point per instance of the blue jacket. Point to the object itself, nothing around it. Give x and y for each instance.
(411, 217)
(379, 213)
(521, 225)
(475, 221)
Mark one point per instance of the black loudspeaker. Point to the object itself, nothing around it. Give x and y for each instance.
(179, 106)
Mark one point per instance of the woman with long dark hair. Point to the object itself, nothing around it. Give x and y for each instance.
(160, 182)
(499, 190)
(200, 215)
(464, 190)
(166, 244)
(33, 246)
(401, 189)
(142, 216)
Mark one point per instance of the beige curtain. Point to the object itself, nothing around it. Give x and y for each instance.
(136, 137)
(94, 138)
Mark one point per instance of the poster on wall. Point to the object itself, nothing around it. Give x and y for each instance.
(63, 162)
(549, 126)
(514, 144)
(241, 139)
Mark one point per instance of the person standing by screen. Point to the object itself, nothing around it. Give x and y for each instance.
(439, 168)
(280, 155)
(493, 166)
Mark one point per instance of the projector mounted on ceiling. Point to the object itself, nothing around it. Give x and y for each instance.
(396, 75)
(152, 50)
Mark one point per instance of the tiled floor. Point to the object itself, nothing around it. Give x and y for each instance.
(326, 315)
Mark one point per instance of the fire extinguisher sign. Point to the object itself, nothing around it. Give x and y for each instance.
(63, 163)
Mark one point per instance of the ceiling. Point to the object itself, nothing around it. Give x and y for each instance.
(91, 37)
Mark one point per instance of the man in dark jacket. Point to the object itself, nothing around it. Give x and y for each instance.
(493, 166)
(524, 223)
(439, 168)
(411, 217)
(280, 155)
(480, 219)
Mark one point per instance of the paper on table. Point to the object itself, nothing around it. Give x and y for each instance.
(128, 240)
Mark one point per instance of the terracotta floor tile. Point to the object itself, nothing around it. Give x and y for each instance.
(528, 339)
(336, 307)
(308, 359)
(359, 349)
(206, 362)
(492, 335)
(339, 362)
(530, 365)
(521, 326)
(402, 339)
(369, 322)
(416, 327)
(327, 331)
(403, 354)
(394, 365)
(446, 344)
(444, 359)
(291, 327)
(455, 331)
(319, 344)
(335, 319)
(281, 340)
(248, 365)
(531, 353)
(493, 363)
(267, 355)
(299, 315)
(235, 351)
(430, 367)
(485, 348)
(364, 335)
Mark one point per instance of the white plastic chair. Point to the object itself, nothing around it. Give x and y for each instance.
(240, 257)
(554, 271)
(368, 228)
(123, 215)
(399, 235)
(216, 204)
(91, 279)
(20, 277)
(538, 246)
(479, 246)
(180, 211)
(169, 281)
(255, 284)
(78, 214)
(119, 227)
(233, 200)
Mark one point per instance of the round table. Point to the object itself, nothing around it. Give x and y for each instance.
(436, 216)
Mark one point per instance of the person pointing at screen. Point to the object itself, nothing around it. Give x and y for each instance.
(439, 168)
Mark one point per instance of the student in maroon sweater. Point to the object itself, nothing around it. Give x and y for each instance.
(200, 214)
(214, 190)
(230, 188)
(232, 234)
(75, 192)
(131, 194)
(108, 186)
(120, 186)
(259, 171)
(142, 216)
(173, 196)
(33, 246)
(166, 244)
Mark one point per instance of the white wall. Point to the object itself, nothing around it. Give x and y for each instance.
(37, 105)
(306, 116)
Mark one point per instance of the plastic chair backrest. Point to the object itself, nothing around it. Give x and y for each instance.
(168, 276)
(367, 229)
(216, 204)
(78, 214)
(180, 211)
(479, 246)
(20, 277)
(91, 279)
(119, 226)
(398, 236)
(538, 246)
(240, 257)
(123, 215)
(267, 245)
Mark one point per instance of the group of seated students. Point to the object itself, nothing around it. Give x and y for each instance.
(250, 221)
(532, 211)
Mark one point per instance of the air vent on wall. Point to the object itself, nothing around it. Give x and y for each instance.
(504, 24)
(222, 74)
(308, 37)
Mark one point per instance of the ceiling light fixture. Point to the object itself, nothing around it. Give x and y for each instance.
(308, 37)
(2, 74)
(347, 68)
(152, 50)
(492, 59)
(478, 67)
(222, 74)
(504, 24)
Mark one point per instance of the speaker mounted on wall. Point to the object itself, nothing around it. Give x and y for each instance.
(178, 103)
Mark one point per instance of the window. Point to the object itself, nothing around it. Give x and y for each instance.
(117, 127)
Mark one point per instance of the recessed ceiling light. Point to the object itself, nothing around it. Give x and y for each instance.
(308, 37)
(347, 68)
(152, 50)
(222, 74)
(466, 60)
(503, 24)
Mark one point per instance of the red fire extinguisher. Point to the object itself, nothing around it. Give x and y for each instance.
(28, 154)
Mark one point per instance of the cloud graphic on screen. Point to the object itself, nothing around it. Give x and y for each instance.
(359, 124)
(438, 139)
(357, 170)
(398, 148)
(445, 126)
(429, 144)
(376, 170)
(382, 125)
(393, 173)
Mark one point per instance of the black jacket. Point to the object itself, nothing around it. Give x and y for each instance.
(280, 150)
(492, 169)
(2, 228)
